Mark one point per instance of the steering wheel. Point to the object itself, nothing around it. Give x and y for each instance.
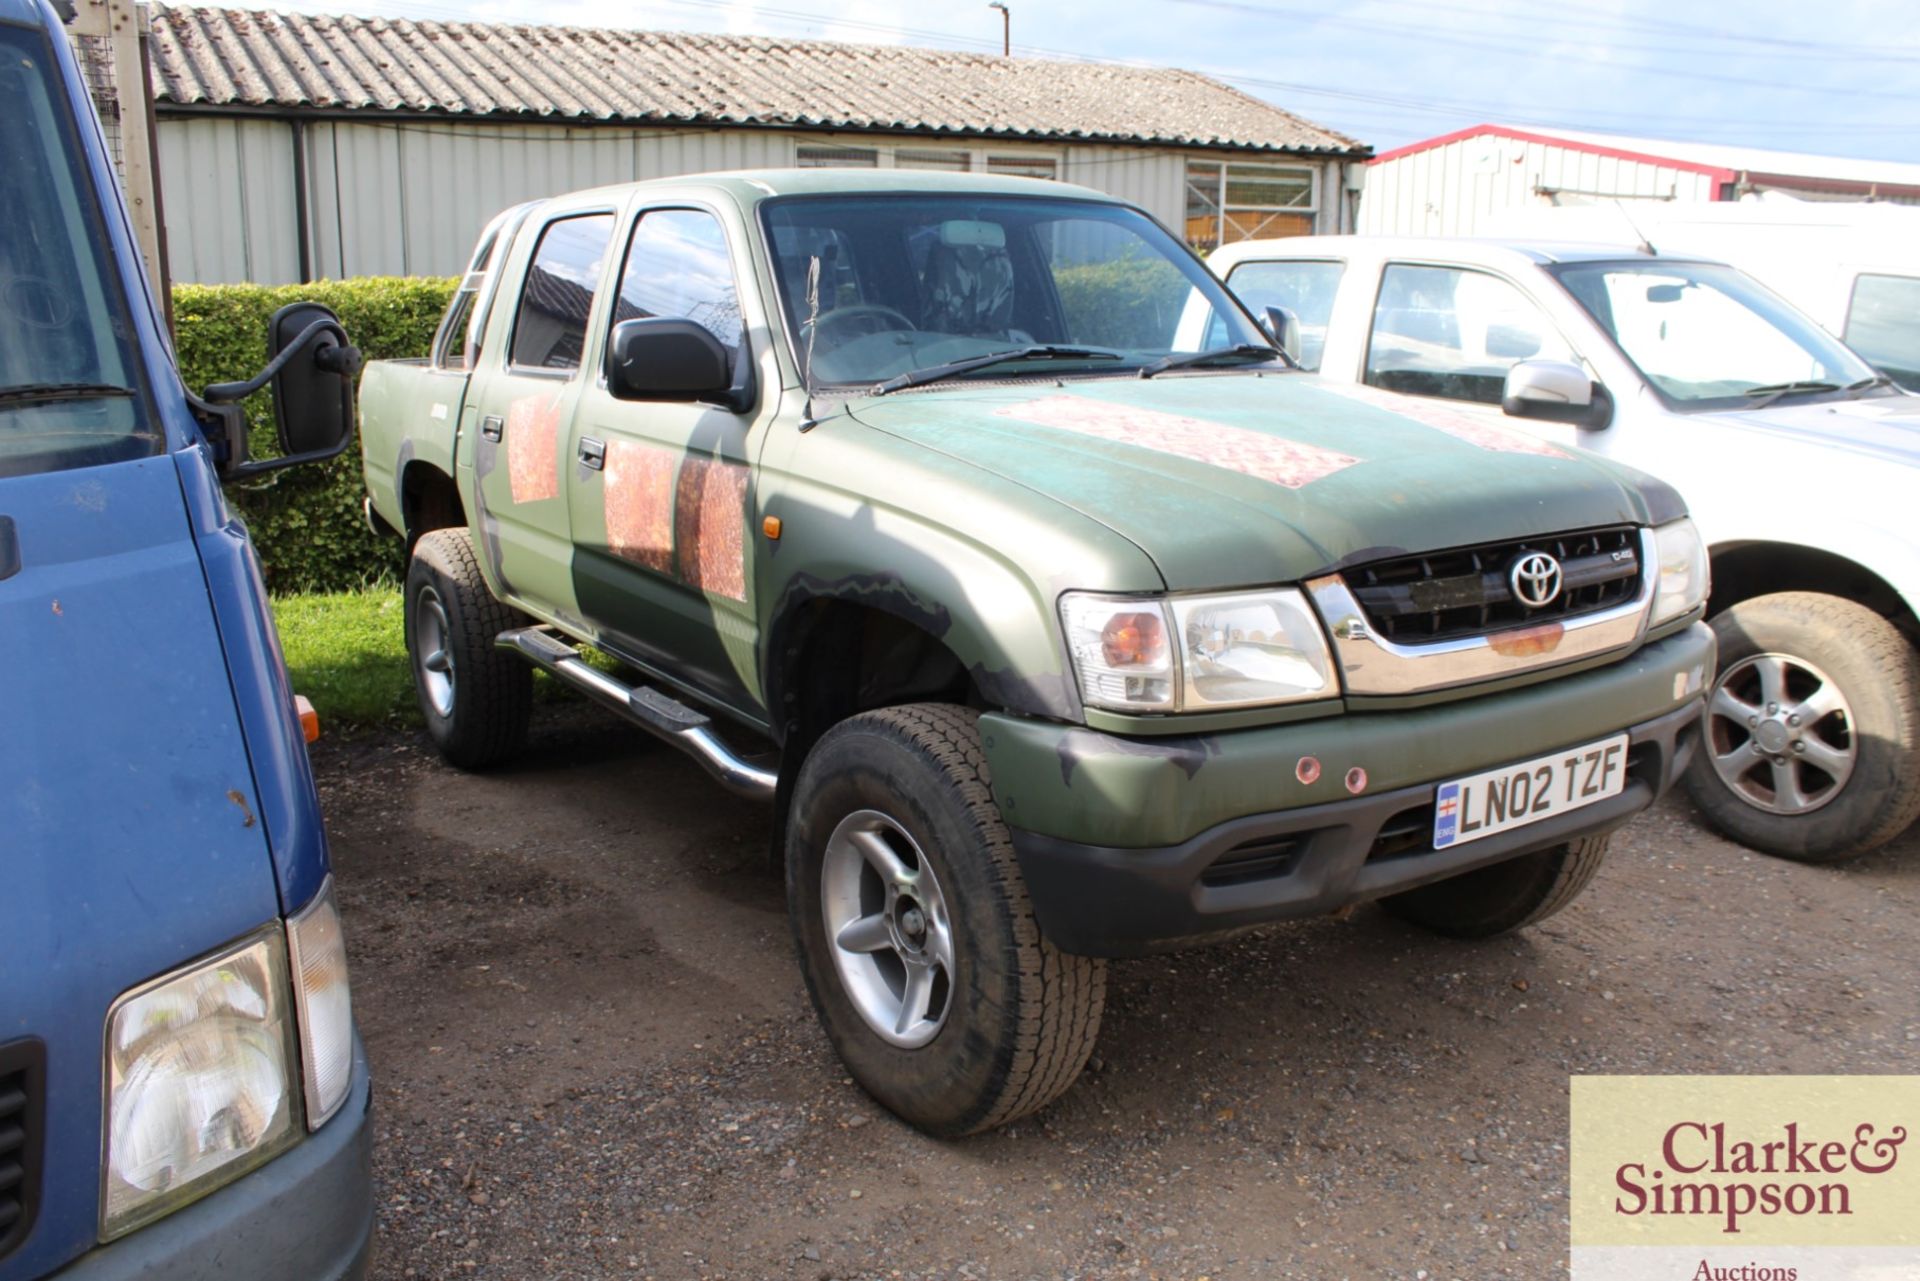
(862, 311)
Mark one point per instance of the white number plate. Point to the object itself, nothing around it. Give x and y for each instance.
(1515, 795)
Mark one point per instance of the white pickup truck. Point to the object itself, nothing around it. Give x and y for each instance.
(1800, 463)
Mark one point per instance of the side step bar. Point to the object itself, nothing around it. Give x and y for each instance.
(668, 718)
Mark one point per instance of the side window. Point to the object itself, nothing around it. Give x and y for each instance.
(1453, 333)
(1307, 289)
(1883, 324)
(550, 327)
(677, 267)
(450, 347)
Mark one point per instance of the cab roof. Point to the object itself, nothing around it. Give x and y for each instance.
(1482, 251)
(750, 186)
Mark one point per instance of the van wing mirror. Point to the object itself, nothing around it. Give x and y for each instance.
(1556, 391)
(312, 366)
(659, 358)
(1284, 328)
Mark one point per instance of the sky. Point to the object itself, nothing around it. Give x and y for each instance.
(1838, 77)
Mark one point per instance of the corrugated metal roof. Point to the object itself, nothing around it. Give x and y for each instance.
(252, 58)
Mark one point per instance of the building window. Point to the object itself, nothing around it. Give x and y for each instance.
(1229, 202)
(817, 156)
(929, 158)
(1024, 166)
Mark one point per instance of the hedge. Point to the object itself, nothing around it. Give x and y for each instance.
(305, 521)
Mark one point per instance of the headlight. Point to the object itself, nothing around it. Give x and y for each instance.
(198, 1087)
(1196, 653)
(1682, 563)
(319, 956)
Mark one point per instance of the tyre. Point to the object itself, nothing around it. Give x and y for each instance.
(476, 698)
(1506, 896)
(915, 932)
(1812, 743)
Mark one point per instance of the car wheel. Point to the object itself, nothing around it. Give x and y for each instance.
(915, 932)
(1506, 896)
(1812, 743)
(476, 698)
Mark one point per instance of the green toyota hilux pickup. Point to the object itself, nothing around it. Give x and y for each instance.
(976, 527)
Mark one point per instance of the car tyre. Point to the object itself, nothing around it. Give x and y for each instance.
(1507, 896)
(475, 697)
(1847, 777)
(893, 831)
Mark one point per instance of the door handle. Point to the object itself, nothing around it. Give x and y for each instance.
(492, 427)
(593, 453)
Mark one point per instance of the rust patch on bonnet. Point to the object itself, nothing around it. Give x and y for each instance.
(638, 495)
(533, 440)
(1428, 413)
(1251, 453)
(237, 798)
(1528, 641)
(710, 526)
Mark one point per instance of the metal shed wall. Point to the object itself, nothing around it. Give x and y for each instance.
(1449, 190)
(393, 197)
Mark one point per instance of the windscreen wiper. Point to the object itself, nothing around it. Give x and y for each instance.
(1196, 359)
(27, 392)
(954, 368)
(1764, 396)
(1868, 384)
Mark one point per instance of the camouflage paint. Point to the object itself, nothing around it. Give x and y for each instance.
(710, 526)
(1442, 416)
(639, 505)
(1251, 453)
(533, 446)
(1119, 795)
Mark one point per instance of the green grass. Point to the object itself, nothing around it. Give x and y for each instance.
(346, 653)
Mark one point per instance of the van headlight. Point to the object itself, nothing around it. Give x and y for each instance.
(198, 1082)
(206, 1066)
(1681, 560)
(1197, 653)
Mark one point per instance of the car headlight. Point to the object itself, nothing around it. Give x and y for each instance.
(1196, 653)
(319, 955)
(1681, 559)
(198, 1087)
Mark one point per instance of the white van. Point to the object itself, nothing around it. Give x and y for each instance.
(1852, 266)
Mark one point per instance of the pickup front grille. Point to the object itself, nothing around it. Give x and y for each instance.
(1446, 595)
(23, 1083)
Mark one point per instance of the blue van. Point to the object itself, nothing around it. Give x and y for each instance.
(182, 1091)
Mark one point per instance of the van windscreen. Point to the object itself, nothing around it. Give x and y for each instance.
(69, 382)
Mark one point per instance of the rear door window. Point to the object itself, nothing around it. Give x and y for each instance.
(550, 328)
(1307, 289)
(1454, 333)
(1883, 324)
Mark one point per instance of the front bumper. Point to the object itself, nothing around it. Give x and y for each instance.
(1151, 844)
(307, 1214)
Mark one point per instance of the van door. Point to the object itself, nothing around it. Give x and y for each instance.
(661, 492)
(522, 400)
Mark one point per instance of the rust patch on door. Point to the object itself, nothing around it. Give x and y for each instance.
(1270, 458)
(710, 526)
(638, 494)
(533, 447)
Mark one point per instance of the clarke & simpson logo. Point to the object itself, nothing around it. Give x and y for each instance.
(1759, 1178)
(1704, 1171)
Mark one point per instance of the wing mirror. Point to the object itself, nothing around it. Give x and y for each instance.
(664, 359)
(1556, 391)
(312, 366)
(1284, 328)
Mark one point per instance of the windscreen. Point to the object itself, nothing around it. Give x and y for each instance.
(67, 370)
(1710, 337)
(901, 283)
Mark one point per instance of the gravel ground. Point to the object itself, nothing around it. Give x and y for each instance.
(593, 1055)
